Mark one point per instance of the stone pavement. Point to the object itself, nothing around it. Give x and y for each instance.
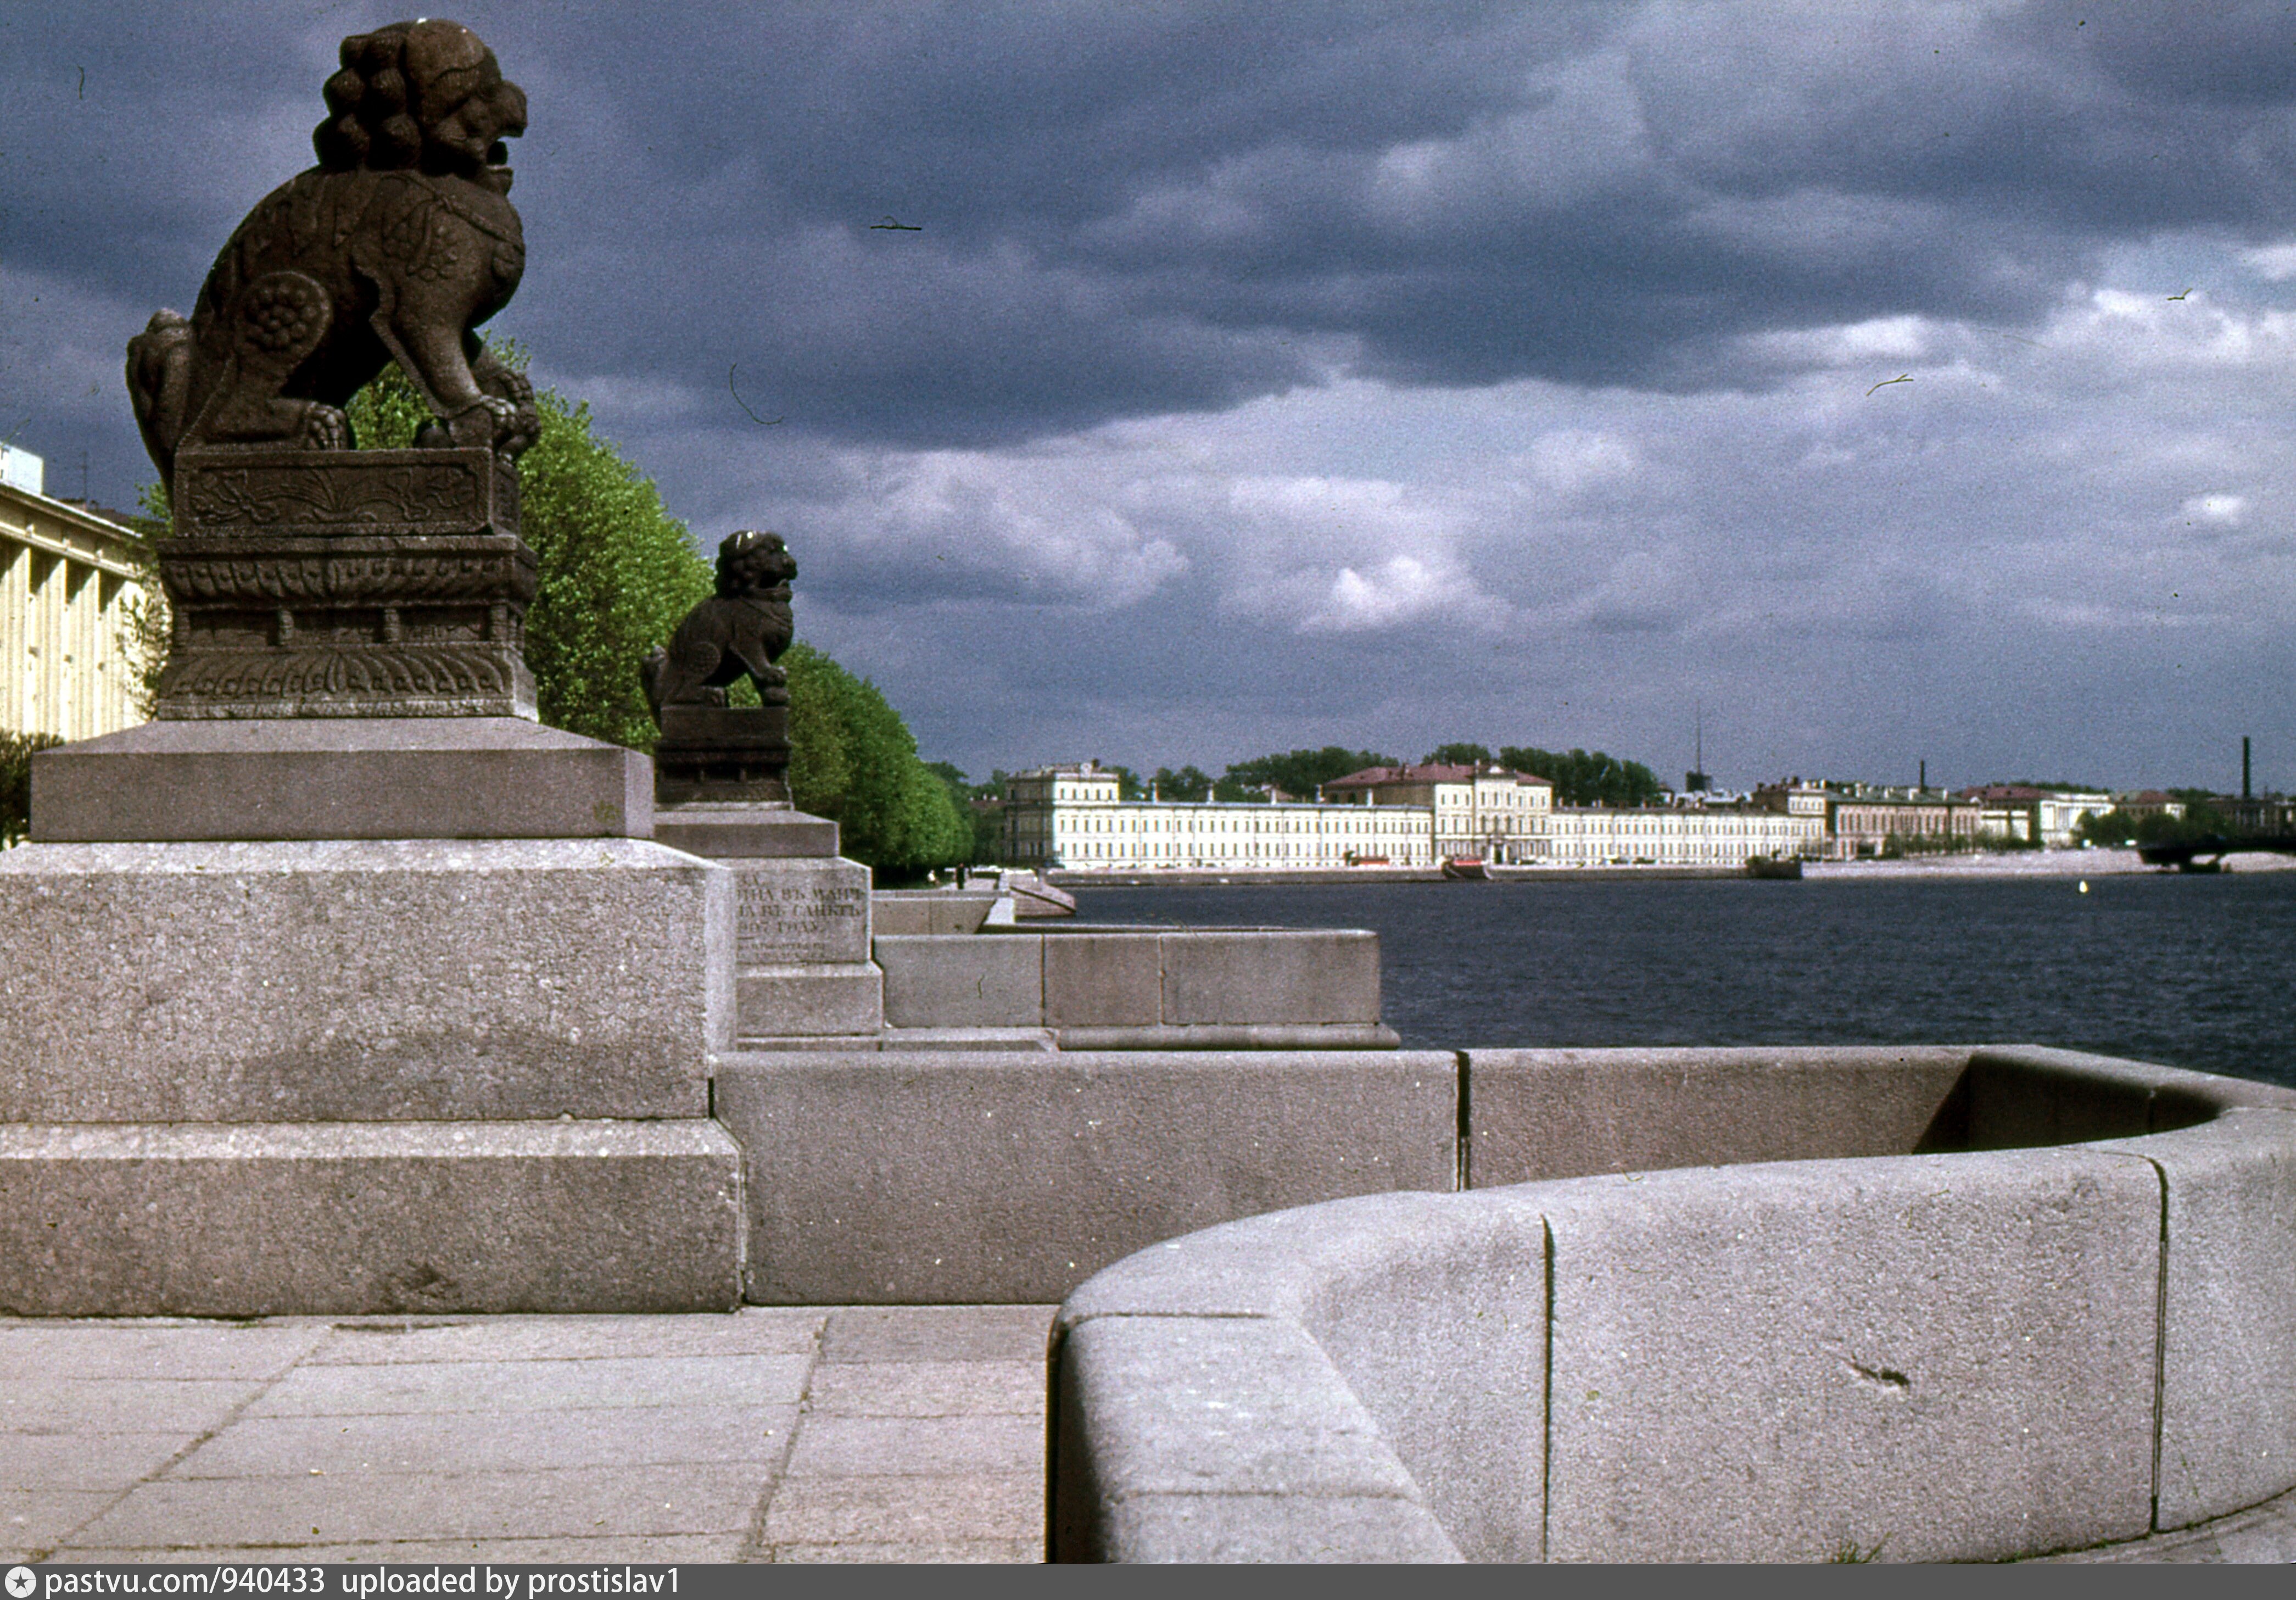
(806, 1433)
(869, 1434)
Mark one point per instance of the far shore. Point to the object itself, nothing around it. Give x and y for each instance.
(1988, 863)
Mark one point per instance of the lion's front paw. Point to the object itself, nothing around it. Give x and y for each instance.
(325, 428)
(484, 422)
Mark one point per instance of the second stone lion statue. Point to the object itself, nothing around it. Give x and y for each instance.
(741, 631)
(395, 247)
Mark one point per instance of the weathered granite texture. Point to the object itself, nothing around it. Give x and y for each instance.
(307, 981)
(801, 923)
(1171, 989)
(930, 910)
(1943, 1356)
(789, 912)
(334, 1219)
(744, 830)
(1567, 1113)
(1310, 1479)
(2228, 1328)
(426, 777)
(957, 1175)
(2001, 1350)
(786, 1007)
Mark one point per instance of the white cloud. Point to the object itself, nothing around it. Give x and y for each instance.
(2227, 510)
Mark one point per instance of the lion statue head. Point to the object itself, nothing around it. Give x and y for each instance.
(426, 94)
(755, 565)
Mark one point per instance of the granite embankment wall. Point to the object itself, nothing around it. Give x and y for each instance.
(1996, 1302)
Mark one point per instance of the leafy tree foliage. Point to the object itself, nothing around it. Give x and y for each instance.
(16, 753)
(1584, 779)
(982, 806)
(1298, 773)
(1462, 755)
(1188, 783)
(853, 759)
(617, 571)
(2119, 827)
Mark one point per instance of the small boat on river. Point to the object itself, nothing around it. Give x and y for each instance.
(1464, 867)
(1773, 866)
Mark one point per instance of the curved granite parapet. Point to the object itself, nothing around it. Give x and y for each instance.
(2065, 1316)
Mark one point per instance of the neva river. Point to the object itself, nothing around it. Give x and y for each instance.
(2190, 971)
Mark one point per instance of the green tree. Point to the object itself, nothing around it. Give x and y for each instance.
(1298, 773)
(1460, 755)
(980, 805)
(16, 753)
(617, 571)
(1585, 779)
(854, 759)
(1188, 783)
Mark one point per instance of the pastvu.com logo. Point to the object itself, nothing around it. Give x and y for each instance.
(21, 1582)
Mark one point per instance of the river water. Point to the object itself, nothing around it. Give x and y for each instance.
(2190, 971)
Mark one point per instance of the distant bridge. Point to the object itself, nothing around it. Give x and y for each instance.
(2206, 854)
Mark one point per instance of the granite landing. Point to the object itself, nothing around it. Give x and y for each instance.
(812, 1433)
(794, 1433)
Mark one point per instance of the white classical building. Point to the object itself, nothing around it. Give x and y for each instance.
(66, 576)
(1724, 834)
(1486, 811)
(1071, 816)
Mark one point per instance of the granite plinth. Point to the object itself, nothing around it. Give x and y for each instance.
(722, 753)
(987, 1175)
(349, 1218)
(791, 912)
(308, 779)
(744, 830)
(360, 980)
(818, 1001)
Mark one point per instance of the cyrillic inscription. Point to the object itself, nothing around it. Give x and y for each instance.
(783, 920)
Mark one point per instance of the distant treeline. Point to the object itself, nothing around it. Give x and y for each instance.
(1580, 777)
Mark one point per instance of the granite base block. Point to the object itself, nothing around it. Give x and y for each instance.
(1947, 1357)
(795, 912)
(345, 777)
(744, 830)
(1568, 1114)
(806, 1002)
(360, 981)
(2228, 1324)
(980, 980)
(989, 1176)
(345, 1218)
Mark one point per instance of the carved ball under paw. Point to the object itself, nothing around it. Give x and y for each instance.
(325, 428)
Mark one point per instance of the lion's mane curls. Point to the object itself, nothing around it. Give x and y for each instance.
(398, 86)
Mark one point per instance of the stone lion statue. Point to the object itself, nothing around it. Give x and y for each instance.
(740, 631)
(398, 244)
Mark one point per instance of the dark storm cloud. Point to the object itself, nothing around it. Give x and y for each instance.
(1135, 210)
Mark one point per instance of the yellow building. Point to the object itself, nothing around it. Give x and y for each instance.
(66, 576)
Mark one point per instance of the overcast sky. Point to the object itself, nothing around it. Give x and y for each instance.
(1253, 375)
